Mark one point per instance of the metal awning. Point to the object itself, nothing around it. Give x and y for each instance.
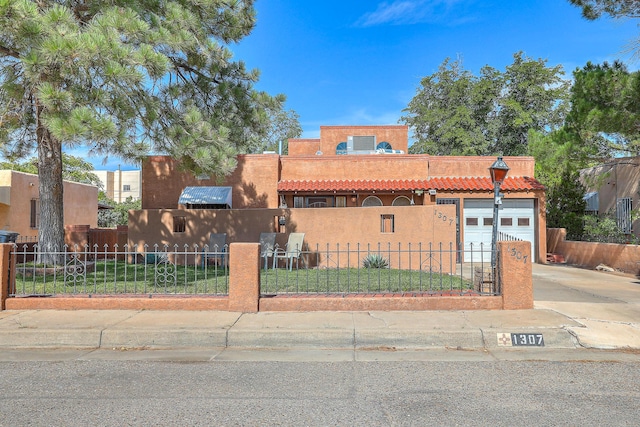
(593, 201)
(206, 196)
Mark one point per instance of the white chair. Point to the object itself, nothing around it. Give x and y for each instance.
(267, 246)
(292, 251)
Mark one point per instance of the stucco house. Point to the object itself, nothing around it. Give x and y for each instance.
(353, 184)
(20, 206)
(614, 187)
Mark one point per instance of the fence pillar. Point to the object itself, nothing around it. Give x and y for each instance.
(5, 278)
(516, 275)
(244, 277)
(76, 235)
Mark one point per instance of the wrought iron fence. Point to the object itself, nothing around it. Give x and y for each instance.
(130, 270)
(197, 270)
(384, 269)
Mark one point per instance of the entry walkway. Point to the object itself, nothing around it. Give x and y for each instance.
(574, 309)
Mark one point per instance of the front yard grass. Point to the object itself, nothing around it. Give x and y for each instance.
(112, 277)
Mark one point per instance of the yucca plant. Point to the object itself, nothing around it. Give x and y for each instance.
(375, 261)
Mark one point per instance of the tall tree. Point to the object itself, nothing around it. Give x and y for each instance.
(457, 113)
(559, 157)
(605, 109)
(283, 124)
(125, 77)
(533, 97)
(450, 113)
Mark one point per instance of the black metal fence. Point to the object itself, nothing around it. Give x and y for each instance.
(384, 269)
(200, 270)
(131, 270)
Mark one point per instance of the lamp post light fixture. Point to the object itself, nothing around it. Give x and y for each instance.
(498, 171)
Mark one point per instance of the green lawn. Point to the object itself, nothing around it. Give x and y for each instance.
(111, 277)
(362, 280)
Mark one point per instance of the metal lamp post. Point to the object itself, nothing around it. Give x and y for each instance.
(498, 171)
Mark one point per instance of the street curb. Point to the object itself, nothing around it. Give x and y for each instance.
(408, 339)
(51, 338)
(298, 338)
(141, 338)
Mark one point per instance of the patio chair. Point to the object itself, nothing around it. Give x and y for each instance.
(267, 245)
(217, 249)
(292, 251)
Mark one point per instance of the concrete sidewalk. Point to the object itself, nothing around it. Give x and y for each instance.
(574, 309)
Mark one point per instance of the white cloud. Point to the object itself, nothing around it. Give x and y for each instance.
(408, 12)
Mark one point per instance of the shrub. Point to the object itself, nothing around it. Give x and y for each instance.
(375, 261)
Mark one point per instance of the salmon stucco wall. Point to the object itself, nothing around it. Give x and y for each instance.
(372, 166)
(254, 182)
(478, 166)
(325, 229)
(80, 203)
(621, 257)
(330, 136)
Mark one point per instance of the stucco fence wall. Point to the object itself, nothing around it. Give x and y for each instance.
(419, 228)
(621, 257)
(514, 260)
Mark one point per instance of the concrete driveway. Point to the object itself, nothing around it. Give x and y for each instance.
(605, 305)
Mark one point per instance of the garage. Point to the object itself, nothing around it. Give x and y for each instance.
(516, 218)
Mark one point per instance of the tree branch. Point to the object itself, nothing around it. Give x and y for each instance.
(5, 51)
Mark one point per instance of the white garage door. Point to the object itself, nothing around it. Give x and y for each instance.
(515, 218)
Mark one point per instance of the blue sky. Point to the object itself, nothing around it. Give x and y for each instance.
(357, 62)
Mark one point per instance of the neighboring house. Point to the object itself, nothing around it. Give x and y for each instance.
(614, 187)
(347, 168)
(118, 185)
(20, 204)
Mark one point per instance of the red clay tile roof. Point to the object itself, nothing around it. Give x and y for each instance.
(518, 183)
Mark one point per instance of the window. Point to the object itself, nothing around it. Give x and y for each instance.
(523, 222)
(387, 224)
(34, 219)
(487, 221)
(319, 202)
(298, 202)
(372, 201)
(179, 224)
(506, 222)
(384, 146)
(623, 213)
(341, 201)
(401, 201)
(126, 187)
(472, 221)
(341, 148)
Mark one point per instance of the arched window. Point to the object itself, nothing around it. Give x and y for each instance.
(372, 201)
(341, 148)
(384, 146)
(401, 201)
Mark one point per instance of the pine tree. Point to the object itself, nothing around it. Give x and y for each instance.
(125, 78)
